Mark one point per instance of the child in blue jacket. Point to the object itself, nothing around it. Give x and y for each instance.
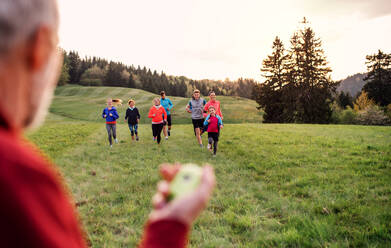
(111, 115)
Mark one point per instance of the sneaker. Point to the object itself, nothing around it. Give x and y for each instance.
(209, 146)
(201, 145)
(111, 146)
(154, 138)
(116, 141)
(137, 138)
(166, 137)
(169, 133)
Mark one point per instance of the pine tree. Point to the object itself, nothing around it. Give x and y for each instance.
(378, 79)
(269, 94)
(64, 76)
(309, 78)
(131, 81)
(344, 100)
(74, 67)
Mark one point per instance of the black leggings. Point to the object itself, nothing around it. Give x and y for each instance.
(213, 138)
(157, 130)
(111, 131)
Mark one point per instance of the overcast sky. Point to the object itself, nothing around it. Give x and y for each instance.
(220, 39)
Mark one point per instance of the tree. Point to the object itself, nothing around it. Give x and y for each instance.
(74, 67)
(309, 78)
(274, 66)
(269, 94)
(298, 87)
(378, 80)
(131, 81)
(116, 75)
(344, 99)
(93, 76)
(363, 102)
(64, 76)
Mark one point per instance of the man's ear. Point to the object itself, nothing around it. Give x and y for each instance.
(39, 49)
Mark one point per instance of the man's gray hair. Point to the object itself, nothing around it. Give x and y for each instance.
(20, 19)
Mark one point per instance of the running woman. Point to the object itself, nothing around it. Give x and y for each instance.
(213, 123)
(167, 105)
(111, 115)
(213, 102)
(196, 108)
(159, 117)
(133, 117)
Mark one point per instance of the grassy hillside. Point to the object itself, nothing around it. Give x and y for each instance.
(277, 185)
(87, 103)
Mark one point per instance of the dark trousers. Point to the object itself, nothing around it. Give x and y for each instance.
(111, 131)
(213, 138)
(157, 130)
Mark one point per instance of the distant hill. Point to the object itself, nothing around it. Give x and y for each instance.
(352, 84)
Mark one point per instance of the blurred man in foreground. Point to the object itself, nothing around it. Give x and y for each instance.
(35, 209)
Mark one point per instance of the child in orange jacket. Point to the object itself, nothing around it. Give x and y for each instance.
(159, 117)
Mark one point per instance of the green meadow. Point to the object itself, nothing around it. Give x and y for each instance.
(278, 185)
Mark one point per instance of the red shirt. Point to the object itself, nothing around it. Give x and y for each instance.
(213, 124)
(158, 114)
(215, 104)
(36, 210)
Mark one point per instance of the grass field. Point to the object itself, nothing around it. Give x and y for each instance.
(277, 185)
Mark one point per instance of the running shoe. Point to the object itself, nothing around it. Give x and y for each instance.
(116, 141)
(169, 133)
(209, 146)
(166, 137)
(137, 138)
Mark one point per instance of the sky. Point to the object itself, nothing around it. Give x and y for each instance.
(219, 39)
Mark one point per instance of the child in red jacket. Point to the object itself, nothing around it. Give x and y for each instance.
(159, 117)
(212, 124)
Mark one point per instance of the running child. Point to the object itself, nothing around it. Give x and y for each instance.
(133, 117)
(212, 125)
(159, 117)
(111, 115)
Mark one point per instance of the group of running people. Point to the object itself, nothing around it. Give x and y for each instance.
(206, 117)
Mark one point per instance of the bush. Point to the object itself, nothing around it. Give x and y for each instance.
(388, 111)
(342, 116)
(336, 113)
(348, 116)
(372, 115)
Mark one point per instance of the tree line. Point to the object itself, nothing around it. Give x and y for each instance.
(95, 71)
(298, 86)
